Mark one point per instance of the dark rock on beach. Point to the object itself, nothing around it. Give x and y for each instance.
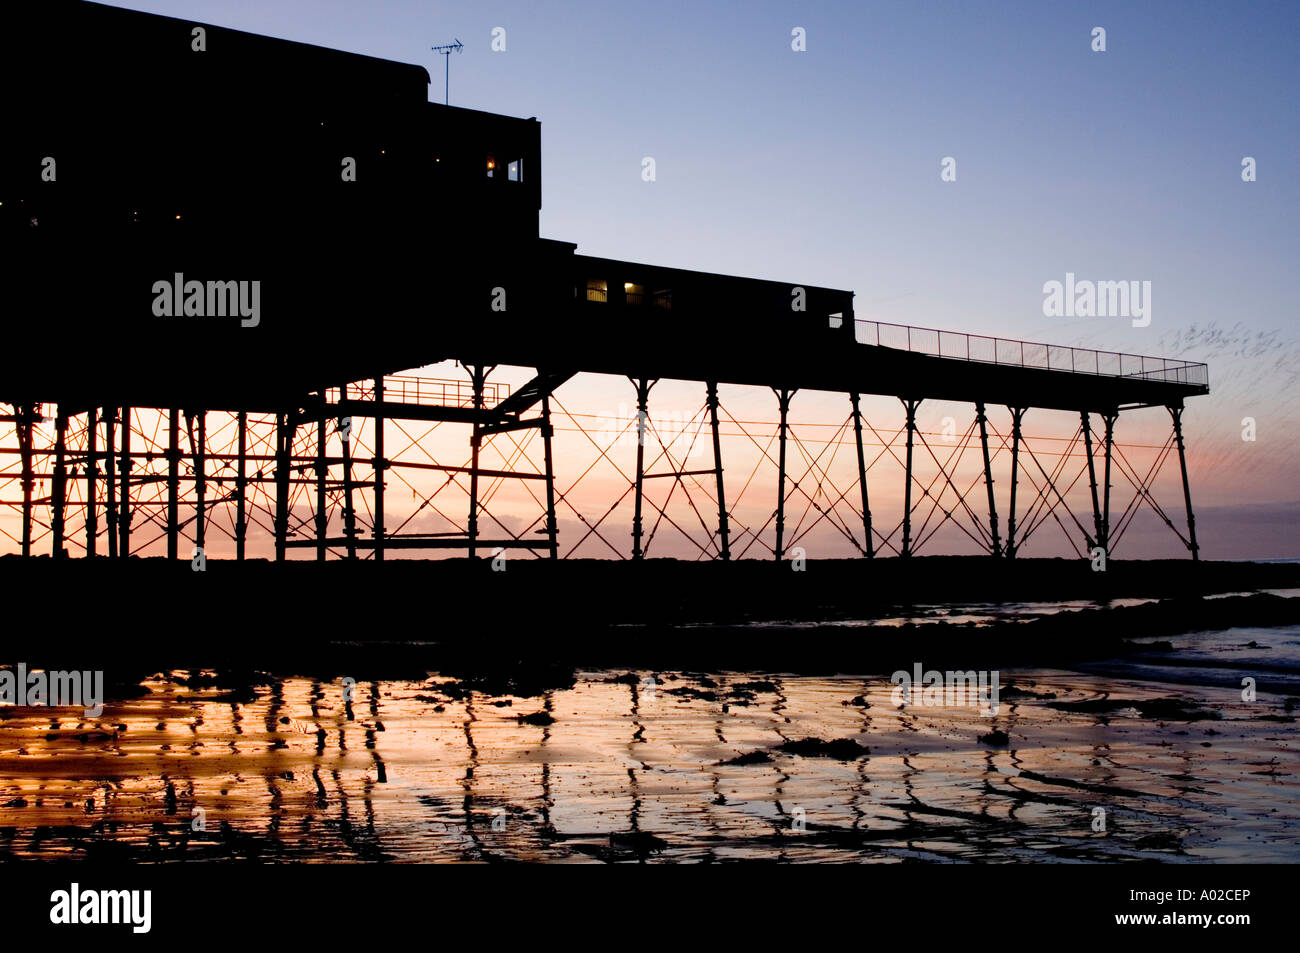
(845, 749)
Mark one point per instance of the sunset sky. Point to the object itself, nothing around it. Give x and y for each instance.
(1116, 165)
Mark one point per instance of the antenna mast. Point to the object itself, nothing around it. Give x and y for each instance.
(446, 51)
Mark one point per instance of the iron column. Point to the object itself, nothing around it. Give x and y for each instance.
(1017, 414)
(783, 399)
(982, 417)
(854, 399)
(1104, 540)
(92, 465)
(911, 406)
(547, 435)
(724, 531)
(173, 482)
(379, 470)
(642, 419)
(59, 483)
(1177, 413)
(1086, 418)
(124, 481)
(241, 486)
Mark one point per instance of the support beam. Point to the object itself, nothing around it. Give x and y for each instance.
(1103, 538)
(642, 421)
(1085, 418)
(59, 483)
(982, 418)
(478, 376)
(548, 434)
(783, 400)
(173, 482)
(92, 468)
(349, 511)
(26, 415)
(379, 465)
(321, 470)
(855, 400)
(241, 486)
(1017, 415)
(110, 479)
(1177, 413)
(910, 406)
(724, 531)
(124, 483)
(284, 429)
(200, 449)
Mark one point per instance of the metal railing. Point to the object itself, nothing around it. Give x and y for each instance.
(443, 393)
(1049, 357)
(433, 391)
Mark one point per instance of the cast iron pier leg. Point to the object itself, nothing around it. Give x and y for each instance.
(1177, 414)
(783, 399)
(724, 531)
(642, 425)
(1086, 418)
(982, 417)
(855, 400)
(1017, 415)
(379, 470)
(241, 487)
(910, 406)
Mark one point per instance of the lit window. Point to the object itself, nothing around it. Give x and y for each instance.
(664, 299)
(491, 166)
(635, 293)
(597, 289)
(515, 171)
(837, 320)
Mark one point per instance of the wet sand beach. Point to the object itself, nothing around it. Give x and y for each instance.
(1140, 749)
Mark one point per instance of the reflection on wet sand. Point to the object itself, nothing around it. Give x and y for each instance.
(634, 766)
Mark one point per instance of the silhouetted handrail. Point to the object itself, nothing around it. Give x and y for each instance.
(959, 345)
(434, 391)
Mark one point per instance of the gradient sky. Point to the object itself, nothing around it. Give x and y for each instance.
(822, 168)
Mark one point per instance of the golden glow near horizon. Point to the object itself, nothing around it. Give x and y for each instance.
(603, 409)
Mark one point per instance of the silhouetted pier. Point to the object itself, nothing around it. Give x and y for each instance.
(385, 233)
